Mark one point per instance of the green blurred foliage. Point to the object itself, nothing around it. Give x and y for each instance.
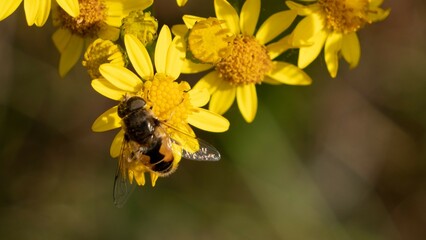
(341, 159)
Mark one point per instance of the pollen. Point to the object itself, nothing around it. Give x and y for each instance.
(168, 100)
(142, 25)
(247, 62)
(100, 52)
(88, 23)
(208, 40)
(345, 16)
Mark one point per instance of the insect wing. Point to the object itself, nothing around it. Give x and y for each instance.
(205, 152)
(193, 148)
(122, 186)
(122, 190)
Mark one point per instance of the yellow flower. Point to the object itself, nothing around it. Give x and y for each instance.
(97, 19)
(239, 55)
(142, 25)
(100, 52)
(167, 99)
(37, 11)
(332, 25)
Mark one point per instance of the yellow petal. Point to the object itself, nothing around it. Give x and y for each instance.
(70, 6)
(249, 16)
(225, 11)
(351, 49)
(307, 29)
(116, 144)
(37, 11)
(71, 54)
(108, 32)
(107, 121)
(275, 25)
(375, 3)
(189, 66)
(7, 7)
(276, 48)
(175, 58)
(302, 10)
(154, 177)
(61, 38)
(184, 140)
(289, 74)
(308, 54)
(333, 45)
(139, 177)
(130, 173)
(199, 97)
(271, 81)
(117, 10)
(185, 137)
(132, 5)
(210, 82)
(117, 58)
(139, 57)
(161, 49)
(190, 20)
(247, 101)
(31, 8)
(180, 3)
(177, 154)
(378, 14)
(108, 90)
(43, 12)
(180, 30)
(208, 121)
(120, 77)
(222, 98)
(114, 20)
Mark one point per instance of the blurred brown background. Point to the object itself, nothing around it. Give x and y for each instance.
(341, 159)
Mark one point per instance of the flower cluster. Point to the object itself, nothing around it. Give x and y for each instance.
(129, 57)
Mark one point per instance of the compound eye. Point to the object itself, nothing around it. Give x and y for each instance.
(135, 103)
(130, 105)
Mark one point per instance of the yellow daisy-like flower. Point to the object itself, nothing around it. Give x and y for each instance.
(239, 55)
(100, 52)
(332, 25)
(167, 99)
(97, 19)
(37, 11)
(142, 25)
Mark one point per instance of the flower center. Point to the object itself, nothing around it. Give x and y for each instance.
(142, 25)
(345, 16)
(247, 62)
(168, 100)
(100, 52)
(90, 20)
(208, 41)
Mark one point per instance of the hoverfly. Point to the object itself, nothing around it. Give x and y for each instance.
(147, 142)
